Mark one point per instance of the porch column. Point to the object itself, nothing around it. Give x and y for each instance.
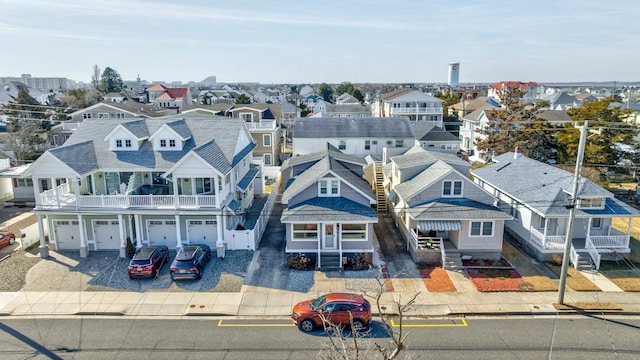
(36, 190)
(131, 220)
(320, 237)
(138, 220)
(76, 190)
(588, 232)
(178, 233)
(122, 232)
(175, 186)
(220, 225)
(215, 190)
(84, 248)
(544, 233)
(44, 248)
(55, 191)
(336, 237)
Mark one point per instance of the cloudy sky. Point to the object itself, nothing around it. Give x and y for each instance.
(300, 41)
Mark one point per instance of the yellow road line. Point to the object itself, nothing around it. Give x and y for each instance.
(463, 322)
(220, 324)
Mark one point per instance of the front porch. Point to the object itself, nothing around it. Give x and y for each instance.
(604, 240)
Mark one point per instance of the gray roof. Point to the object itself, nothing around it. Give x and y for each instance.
(138, 128)
(181, 128)
(373, 127)
(348, 108)
(455, 209)
(329, 150)
(310, 177)
(329, 209)
(80, 157)
(409, 188)
(243, 184)
(542, 187)
(86, 149)
(427, 131)
(417, 155)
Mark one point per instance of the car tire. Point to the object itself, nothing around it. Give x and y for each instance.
(359, 325)
(157, 274)
(12, 240)
(198, 273)
(307, 325)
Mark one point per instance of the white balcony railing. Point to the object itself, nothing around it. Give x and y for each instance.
(65, 200)
(610, 239)
(261, 125)
(417, 110)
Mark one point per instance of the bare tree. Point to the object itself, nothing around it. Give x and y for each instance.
(95, 78)
(348, 345)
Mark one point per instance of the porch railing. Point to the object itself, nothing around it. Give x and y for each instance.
(574, 257)
(50, 200)
(611, 240)
(443, 255)
(595, 256)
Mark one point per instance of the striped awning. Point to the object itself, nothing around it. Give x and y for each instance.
(440, 225)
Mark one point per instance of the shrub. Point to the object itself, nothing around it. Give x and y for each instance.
(358, 262)
(300, 262)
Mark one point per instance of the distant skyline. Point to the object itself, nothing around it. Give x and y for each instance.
(282, 41)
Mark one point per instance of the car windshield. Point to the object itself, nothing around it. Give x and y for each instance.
(317, 302)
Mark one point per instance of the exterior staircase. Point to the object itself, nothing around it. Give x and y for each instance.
(330, 261)
(381, 197)
(453, 262)
(584, 261)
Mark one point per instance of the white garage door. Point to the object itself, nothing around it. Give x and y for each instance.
(162, 232)
(202, 232)
(106, 234)
(67, 233)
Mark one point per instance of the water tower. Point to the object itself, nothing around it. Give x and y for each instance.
(454, 73)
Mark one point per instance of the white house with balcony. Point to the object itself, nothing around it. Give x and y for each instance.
(161, 181)
(538, 195)
(409, 103)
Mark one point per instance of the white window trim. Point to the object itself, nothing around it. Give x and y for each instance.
(264, 159)
(293, 232)
(242, 116)
(264, 140)
(590, 200)
(482, 222)
(329, 183)
(453, 182)
(599, 226)
(366, 233)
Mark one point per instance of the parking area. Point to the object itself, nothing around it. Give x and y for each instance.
(105, 271)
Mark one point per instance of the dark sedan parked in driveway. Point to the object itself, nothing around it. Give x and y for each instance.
(190, 262)
(148, 261)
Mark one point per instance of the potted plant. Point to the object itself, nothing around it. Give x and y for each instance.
(129, 249)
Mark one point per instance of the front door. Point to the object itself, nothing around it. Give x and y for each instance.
(329, 237)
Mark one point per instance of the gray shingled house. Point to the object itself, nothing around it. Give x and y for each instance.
(537, 195)
(439, 210)
(329, 215)
(164, 181)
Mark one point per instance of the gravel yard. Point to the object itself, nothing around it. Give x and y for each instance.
(13, 270)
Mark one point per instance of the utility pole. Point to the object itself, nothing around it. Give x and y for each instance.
(584, 129)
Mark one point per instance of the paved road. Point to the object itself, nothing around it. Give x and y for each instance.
(208, 338)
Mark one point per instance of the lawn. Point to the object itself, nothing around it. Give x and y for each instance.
(625, 274)
(530, 271)
(495, 280)
(575, 280)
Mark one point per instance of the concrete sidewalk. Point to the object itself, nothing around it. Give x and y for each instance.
(278, 303)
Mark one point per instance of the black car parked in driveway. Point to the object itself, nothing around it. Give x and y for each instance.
(148, 261)
(190, 262)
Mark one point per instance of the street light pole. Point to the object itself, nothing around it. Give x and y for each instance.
(572, 211)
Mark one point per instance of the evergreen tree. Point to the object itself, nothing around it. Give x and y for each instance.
(243, 99)
(516, 125)
(326, 92)
(110, 81)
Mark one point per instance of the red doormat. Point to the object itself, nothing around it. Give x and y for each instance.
(496, 280)
(436, 279)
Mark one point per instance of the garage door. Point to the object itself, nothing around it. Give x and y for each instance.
(202, 232)
(162, 232)
(67, 233)
(106, 234)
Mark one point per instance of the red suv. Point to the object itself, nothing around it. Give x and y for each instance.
(336, 308)
(148, 261)
(7, 238)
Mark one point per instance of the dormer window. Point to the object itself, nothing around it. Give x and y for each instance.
(452, 188)
(164, 142)
(591, 203)
(172, 143)
(329, 187)
(125, 142)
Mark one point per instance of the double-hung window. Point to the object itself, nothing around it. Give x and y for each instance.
(481, 228)
(452, 188)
